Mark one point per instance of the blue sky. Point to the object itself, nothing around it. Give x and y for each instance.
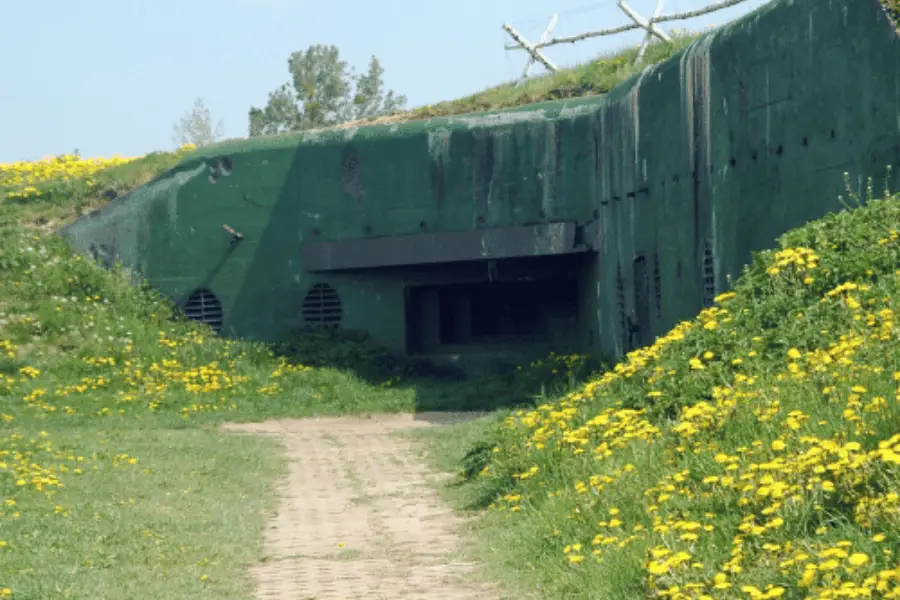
(112, 76)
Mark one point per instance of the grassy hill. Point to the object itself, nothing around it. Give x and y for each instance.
(753, 452)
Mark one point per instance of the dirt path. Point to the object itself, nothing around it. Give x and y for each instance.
(358, 517)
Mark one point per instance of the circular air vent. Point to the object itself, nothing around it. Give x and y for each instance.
(203, 306)
(322, 306)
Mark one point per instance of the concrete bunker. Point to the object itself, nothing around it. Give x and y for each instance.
(488, 233)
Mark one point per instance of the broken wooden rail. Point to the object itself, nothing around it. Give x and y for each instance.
(638, 22)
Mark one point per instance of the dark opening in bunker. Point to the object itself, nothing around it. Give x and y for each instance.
(507, 314)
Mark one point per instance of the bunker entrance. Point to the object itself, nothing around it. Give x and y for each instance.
(515, 317)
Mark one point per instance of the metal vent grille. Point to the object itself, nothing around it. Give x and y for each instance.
(709, 274)
(203, 306)
(657, 286)
(322, 306)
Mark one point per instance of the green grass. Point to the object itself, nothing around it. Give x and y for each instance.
(588, 79)
(114, 480)
(174, 525)
(105, 368)
(62, 201)
(761, 440)
(591, 78)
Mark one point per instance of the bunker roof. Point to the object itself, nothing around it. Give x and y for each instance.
(551, 110)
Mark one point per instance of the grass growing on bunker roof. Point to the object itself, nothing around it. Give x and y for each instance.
(594, 77)
(48, 193)
(753, 452)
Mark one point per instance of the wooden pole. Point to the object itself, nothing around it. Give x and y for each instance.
(623, 28)
(544, 37)
(648, 36)
(650, 27)
(534, 52)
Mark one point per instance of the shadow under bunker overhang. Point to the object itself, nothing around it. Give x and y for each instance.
(506, 294)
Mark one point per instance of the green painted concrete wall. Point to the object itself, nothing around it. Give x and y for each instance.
(681, 172)
(743, 136)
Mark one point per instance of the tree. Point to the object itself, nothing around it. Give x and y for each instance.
(323, 91)
(370, 99)
(196, 127)
(279, 115)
